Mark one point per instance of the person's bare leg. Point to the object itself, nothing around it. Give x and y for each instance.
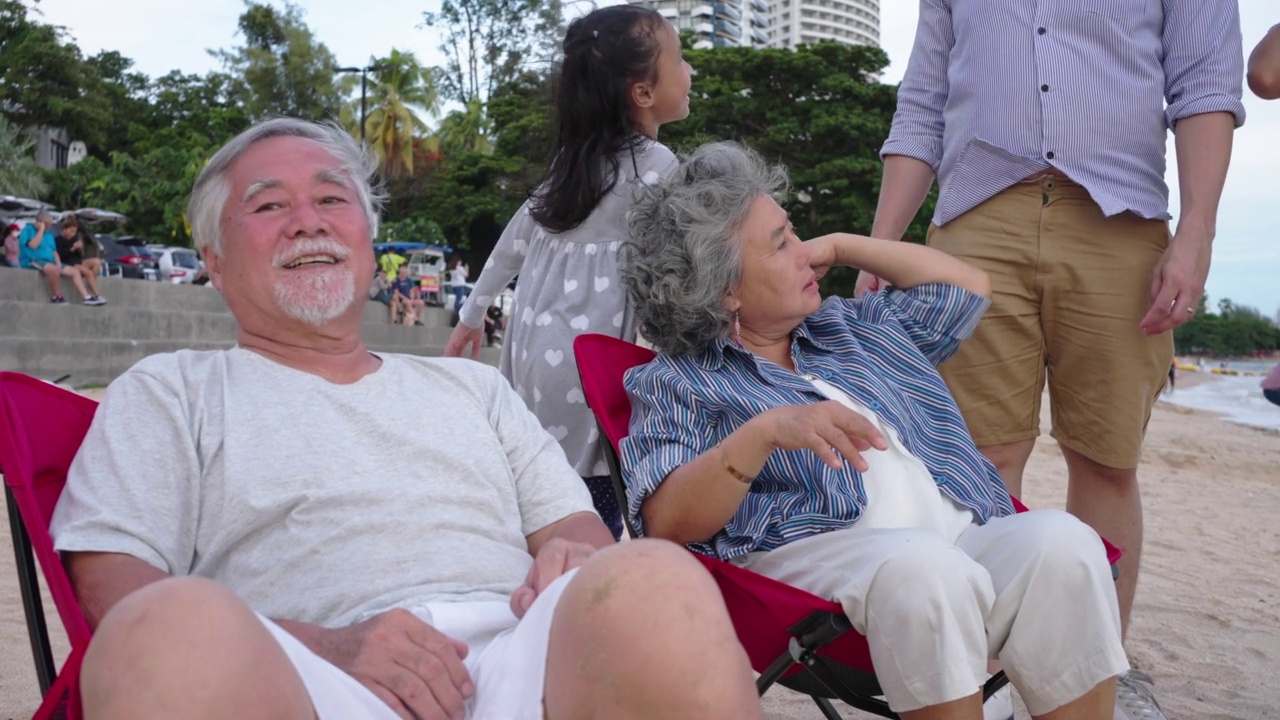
(966, 708)
(77, 279)
(1097, 704)
(51, 276)
(1010, 460)
(90, 278)
(642, 632)
(1107, 499)
(188, 648)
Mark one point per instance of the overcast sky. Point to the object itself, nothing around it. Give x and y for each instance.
(163, 35)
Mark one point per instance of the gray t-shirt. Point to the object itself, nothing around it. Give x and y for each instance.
(315, 501)
(569, 285)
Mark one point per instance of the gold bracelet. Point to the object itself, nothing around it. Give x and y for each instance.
(724, 461)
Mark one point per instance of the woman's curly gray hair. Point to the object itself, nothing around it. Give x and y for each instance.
(685, 254)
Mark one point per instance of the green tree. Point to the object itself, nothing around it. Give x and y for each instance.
(463, 131)
(402, 92)
(815, 110)
(19, 174)
(282, 69)
(42, 77)
(490, 42)
(1233, 330)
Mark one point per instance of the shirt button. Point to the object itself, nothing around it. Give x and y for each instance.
(1049, 155)
(1040, 31)
(1044, 88)
(875, 405)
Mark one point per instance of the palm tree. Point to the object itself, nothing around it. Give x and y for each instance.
(401, 90)
(463, 130)
(19, 174)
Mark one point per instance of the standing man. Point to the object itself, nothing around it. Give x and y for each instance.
(1264, 66)
(1045, 125)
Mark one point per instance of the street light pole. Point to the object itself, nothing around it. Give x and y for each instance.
(364, 74)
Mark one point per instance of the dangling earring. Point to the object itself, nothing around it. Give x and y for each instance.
(737, 330)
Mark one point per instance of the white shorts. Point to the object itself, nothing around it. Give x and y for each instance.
(507, 660)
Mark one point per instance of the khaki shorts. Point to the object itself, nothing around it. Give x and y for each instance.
(1068, 289)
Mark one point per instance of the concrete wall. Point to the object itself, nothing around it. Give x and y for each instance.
(95, 344)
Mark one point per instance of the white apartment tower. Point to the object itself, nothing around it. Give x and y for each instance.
(772, 23)
(803, 22)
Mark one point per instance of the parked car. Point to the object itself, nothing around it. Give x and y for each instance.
(127, 256)
(177, 265)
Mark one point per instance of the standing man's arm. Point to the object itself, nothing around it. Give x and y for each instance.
(1264, 66)
(1203, 68)
(913, 151)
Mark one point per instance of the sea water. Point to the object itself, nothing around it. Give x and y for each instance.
(1238, 398)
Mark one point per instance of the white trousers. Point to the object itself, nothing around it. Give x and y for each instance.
(1033, 590)
(507, 660)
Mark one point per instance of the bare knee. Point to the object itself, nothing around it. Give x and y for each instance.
(173, 617)
(1087, 470)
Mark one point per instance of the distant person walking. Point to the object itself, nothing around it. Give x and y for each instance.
(458, 274)
(622, 78)
(1045, 125)
(1264, 66)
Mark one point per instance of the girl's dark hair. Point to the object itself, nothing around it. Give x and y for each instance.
(604, 52)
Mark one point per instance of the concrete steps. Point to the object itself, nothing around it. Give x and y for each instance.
(95, 344)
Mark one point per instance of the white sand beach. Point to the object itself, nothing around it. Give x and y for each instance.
(1207, 619)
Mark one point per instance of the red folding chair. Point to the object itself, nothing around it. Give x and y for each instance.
(41, 427)
(793, 638)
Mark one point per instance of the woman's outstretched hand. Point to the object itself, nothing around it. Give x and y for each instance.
(828, 428)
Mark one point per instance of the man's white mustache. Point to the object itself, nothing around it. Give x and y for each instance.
(311, 246)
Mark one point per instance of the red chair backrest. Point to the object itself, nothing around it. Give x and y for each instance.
(602, 361)
(41, 428)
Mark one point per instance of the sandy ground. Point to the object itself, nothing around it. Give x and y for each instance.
(1207, 619)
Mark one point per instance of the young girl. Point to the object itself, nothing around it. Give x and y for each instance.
(622, 77)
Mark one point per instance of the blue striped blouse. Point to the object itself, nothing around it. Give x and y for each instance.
(997, 90)
(881, 349)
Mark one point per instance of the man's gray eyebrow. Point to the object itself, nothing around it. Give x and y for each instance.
(335, 177)
(258, 186)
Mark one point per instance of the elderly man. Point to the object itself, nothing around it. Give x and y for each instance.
(1045, 125)
(297, 553)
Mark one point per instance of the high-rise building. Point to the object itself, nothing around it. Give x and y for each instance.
(772, 23)
(802, 22)
(717, 22)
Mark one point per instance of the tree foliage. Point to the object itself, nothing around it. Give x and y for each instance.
(488, 43)
(43, 77)
(818, 111)
(282, 69)
(402, 93)
(19, 174)
(1234, 330)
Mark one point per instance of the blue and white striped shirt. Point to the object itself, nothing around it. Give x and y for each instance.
(997, 90)
(881, 349)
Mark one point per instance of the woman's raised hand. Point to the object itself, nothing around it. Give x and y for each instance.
(828, 428)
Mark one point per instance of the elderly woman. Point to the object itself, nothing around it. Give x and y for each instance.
(814, 442)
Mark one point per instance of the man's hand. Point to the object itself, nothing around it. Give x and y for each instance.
(867, 283)
(411, 666)
(464, 336)
(1178, 282)
(557, 557)
(828, 428)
